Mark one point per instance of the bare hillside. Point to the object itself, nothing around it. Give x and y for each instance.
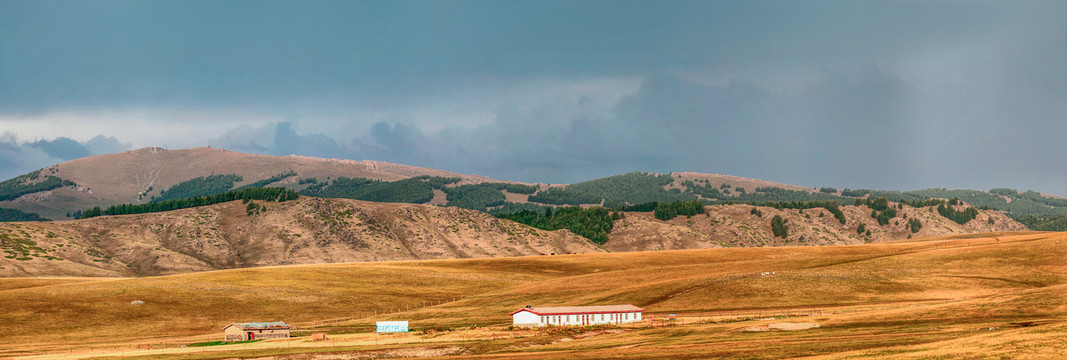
(736, 226)
(304, 231)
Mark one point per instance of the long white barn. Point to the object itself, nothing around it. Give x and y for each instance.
(576, 315)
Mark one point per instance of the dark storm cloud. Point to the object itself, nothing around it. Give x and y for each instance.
(287, 142)
(398, 142)
(64, 148)
(70, 54)
(669, 124)
(105, 145)
(889, 94)
(61, 148)
(19, 157)
(280, 139)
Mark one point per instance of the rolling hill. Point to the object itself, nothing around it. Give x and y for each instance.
(137, 176)
(741, 226)
(310, 230)
(998, 295)
(145, 175)
(260, 233)
(234, 235)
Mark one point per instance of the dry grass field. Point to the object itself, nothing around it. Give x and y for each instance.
(998, 295)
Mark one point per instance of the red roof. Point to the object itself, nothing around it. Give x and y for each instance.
(575, 310)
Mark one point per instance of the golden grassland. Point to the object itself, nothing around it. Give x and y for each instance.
(992, 296)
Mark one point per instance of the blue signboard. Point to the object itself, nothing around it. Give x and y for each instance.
(392, 326)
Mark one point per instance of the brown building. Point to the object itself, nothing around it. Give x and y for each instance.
(256, 331)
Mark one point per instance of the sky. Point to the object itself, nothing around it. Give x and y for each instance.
(890, 94)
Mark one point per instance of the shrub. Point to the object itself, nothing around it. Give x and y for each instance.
(960, 217)
(778, 227)
(915, 225)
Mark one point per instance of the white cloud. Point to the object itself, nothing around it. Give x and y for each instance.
(173, 128)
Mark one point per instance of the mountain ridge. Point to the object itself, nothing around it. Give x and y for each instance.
(135, 176)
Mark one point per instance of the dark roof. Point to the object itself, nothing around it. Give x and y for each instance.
(574, 310)
(274, 325)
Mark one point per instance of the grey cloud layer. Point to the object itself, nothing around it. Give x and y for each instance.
(861, 127)
(881, 94)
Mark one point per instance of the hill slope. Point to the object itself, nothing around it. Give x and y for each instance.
(737, 226)
(303, 231)
(138, 175)
(313, 230)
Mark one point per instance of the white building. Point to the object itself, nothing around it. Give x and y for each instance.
(576, 315)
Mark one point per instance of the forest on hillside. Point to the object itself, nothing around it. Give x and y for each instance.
(636, 191)
(30, 183)
(261, 193)
(416, 190)
(9, 215)
(199, 186)
(614, 191)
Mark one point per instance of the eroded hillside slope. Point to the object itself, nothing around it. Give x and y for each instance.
(740, 226)
(234, 235)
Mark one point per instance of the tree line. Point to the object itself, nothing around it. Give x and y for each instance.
(614, 191)
(9, 215)
(270, 180)
(475, 196)
(267, 194)
(960, 217)
(1039, 223)
(199, 186)
(415, 190)
(667, 211)
(593, 223)
(830, 206)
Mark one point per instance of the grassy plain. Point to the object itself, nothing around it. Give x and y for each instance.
(991, 296)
